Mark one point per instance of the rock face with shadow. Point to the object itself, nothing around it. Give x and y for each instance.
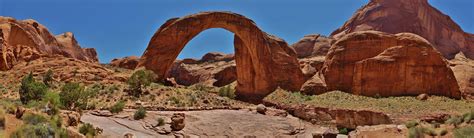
(414, 16)
(373, 63)
(312, 45)
(129, 62)
(26, 40)
(263, 62)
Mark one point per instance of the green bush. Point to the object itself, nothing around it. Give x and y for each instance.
(468, 116)
(54, 102)
(411, 124)
(343, 131)
(160, 121)
(48, 78)
(117, 107)
(227, 91)
(31, 90)
(415, 132)
(139, 114)
(87, 130)
(140, 80)
(465, 132)
(39, 126)
(74, 95)
(455, 120)
(34, 119)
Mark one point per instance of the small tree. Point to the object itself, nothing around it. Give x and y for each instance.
(117, 107)
(139, 114)
(139, 80)
(48, 78)
(31, 90)
(75, 95)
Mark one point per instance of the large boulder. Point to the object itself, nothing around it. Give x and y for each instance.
(215, 73)
(373, 63)
(463, 69)
(414, 16)
(312, 45)
(23, 41)
(130, 62)
(264, 62)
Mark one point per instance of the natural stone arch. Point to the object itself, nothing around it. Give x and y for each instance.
(264, 62)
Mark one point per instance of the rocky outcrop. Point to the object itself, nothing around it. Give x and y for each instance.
(463, 69)
(28, 40)
(373, 63)
(217, 73)
(414, 16)
(130, 62)
(216, 56)
(312, 45)
(264, 62)
(343, 118)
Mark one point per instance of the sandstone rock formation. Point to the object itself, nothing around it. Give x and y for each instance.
(373, 63)
(414, 16)
(130, 62)
(217, 73)
(216, 56)
(264, 62)
(463, 69)
(28, 40)
(312, 45)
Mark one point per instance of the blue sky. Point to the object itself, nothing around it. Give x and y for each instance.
(118, 28)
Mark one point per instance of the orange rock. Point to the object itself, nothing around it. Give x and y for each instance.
(373, 63)
(130, 62)
(312, 45)
(264, 62)
(463, 69)
(414, 16)
(28, 40)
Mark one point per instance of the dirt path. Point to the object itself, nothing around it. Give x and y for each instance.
(210, 123)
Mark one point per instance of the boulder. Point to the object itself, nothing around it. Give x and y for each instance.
(314, 86)
(413, 16)
(374, 63)
(23, 41)
(261, 109)
(130, 62)
(218, 73)
(216, 56)
(177, 121)
(463, 69)
(312, 45)
(264, 62)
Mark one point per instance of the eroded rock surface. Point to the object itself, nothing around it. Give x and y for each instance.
(23, 41)
(264, 62)
(129, 62)
(312, 45)
(373, 63)
(217, 73)
(463, 69)
(414, 16)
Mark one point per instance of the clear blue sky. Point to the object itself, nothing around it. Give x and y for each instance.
(118, 28)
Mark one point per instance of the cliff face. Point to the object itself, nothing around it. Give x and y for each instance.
(414, 16)
(28, 40)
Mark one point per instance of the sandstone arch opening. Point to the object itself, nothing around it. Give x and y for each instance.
(207, 59)
(264, 62)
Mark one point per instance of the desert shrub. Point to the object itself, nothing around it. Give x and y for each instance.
(468, 116)
(454, 120)
(429, 131)
(227, 91)
(465, 132)
(443, 132)
(415, 132)
(31, 90)
(28, 130)
(117, 107)
(200, 87)
(48, 78)
(140, 80)
(53, 101)
(139, 114)
(87, 130)
(74, 95)
(2, 118)
(34, 119)
(411, 124)
(343, 131)
(160, 121)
